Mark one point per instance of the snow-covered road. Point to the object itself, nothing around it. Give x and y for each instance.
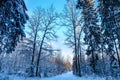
(65, 76)
(70, 76)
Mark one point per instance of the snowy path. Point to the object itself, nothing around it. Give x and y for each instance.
(70, 76)
(65, 76)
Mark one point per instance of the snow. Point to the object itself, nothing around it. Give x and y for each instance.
(65, 76)
(70, 76)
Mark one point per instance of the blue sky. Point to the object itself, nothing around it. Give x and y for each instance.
(32, 4)
(59, 5)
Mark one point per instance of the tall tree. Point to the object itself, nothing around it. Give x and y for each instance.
(71, 20)
(49, 20)
(109, 11)
(12, 19)
(91, 29)
(35, 27)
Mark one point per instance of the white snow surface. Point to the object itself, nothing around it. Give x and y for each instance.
(65, 76)
(70, 76)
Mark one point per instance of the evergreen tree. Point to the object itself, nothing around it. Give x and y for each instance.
(91, 30)
(109, 11)
(12, 19)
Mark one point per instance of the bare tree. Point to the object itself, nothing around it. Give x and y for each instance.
(34, 25)
(48, 24)
(42, 30)
(71, 19)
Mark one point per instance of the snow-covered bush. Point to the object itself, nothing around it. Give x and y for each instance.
(2, 77)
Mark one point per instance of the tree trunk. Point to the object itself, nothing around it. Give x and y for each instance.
(75, 47)
(104, 68)
(79, 55)
(118, 58)
(39, 53)
(80, 52)
(33, 54)
(93, 61)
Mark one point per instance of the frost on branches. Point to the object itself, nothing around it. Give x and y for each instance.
(12, 19)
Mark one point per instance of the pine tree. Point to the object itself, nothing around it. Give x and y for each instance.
(91, 30)
(109, 11)
(12, 19)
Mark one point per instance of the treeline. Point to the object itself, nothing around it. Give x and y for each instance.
(95, 33)
(92, 30)
(42, 30)
(19, 61)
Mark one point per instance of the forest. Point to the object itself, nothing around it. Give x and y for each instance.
(60, 40)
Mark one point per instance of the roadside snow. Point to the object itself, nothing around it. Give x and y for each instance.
(65, 76)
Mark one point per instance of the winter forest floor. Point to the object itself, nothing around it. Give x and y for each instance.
(65, 76)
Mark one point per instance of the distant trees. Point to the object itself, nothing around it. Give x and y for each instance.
(19, 60)
(12, 19)
(53, 64)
